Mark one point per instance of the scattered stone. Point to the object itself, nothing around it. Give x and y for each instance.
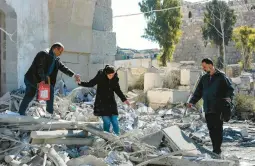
(77, 133)
(86, 160)
(179, 141)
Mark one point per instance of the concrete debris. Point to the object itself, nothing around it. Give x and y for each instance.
(86, 160)
(179, 141)
(74, 136)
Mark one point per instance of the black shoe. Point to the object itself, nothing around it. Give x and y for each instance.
(22, 114)
(218, 152)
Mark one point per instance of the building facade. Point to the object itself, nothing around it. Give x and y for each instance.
(83, 26)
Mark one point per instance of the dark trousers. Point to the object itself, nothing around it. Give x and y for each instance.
(215, 127)
(31, 91)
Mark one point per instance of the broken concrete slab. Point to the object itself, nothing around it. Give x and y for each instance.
(36, 161)
(57, 134)
(96, 131)
(153, 139)
(178, 140)
(53, 125)
(22, 119)
(180, 161)
(159, 97)
(65, 141)
(53, 155)
(86, 160)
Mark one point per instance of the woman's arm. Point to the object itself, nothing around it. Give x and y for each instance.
(91, 83)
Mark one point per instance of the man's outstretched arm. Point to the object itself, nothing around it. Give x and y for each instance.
(65, 69)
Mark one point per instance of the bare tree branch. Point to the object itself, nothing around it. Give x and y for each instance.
(215, 28)
(213, 13)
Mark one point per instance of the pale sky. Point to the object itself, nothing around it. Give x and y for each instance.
(130, 29)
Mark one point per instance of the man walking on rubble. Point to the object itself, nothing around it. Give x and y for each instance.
(45, 65)
(217, 93)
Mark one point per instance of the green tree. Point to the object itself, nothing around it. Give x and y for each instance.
(163, 27)
(244, 38)
(219, 20)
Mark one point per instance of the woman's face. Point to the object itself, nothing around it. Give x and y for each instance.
(110, 76)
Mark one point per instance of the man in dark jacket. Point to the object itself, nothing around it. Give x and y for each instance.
(216, 91)
(46, 64)
(107, 82)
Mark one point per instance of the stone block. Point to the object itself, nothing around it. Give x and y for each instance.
(152, 80)
(77, 12)
(74, 37)
(160, 97)
(246, 82)
(179, 96)
(187, 62)
(86, 160)
(123, 80)
(102, 59)
(189, 76)
(153, 139)
(187, 88)
(135, 75)
(178, 140)
(81, 68)
(102, 19)
(94, 68)
(60, 11)
(134, 63)
(104, 3)
(233, 70)
(69, 57)
(83, 12)
(104, 43)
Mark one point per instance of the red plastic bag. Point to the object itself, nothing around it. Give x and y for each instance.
(43, 91)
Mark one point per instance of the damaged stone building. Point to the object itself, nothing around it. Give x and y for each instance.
(192, 47)
(83, 26)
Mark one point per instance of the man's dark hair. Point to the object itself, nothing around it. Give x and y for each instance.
(109, 69)
(207, 61)
(57, 45)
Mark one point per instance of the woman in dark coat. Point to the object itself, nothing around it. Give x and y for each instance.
(107, 82)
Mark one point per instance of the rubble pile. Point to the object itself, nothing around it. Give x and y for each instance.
(73, 136)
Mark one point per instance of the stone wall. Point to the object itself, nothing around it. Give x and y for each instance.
(87, 36)
(192, 46)
(83, 26)
(142, 63)
(70, 22)
(29, 23)
(136, 63)
(103, 39)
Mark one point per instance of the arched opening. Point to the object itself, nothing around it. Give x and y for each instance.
(8, 48)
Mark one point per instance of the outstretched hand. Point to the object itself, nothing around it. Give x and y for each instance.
(127, 102)
(189, 105)
(77, 78)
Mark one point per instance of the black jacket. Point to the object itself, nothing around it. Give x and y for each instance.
(41, 65)
(213, 92)
(105, 104)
